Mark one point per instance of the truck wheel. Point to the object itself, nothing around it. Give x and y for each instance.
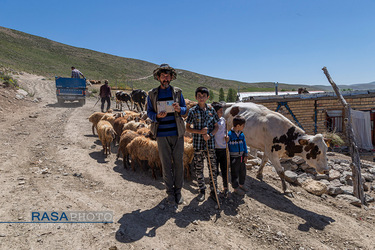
(60, 101)
(82, 102)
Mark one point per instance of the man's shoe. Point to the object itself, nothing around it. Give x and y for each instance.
(179, 199)
(201, 196)
(171, 199)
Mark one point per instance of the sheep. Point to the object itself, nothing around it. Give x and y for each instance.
(126, 137)
(189, 105)
(145, 131)
(110, 117)
(141, 148)
(188, 155)
(118, 126)
(95, 82)
(95, 118)
(132, 125)
(106, 135)
(132, 115)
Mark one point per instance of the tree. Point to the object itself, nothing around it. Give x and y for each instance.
(221, 95)
(232, 95)
(211, 96)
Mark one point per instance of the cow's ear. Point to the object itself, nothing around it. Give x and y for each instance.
(303, 141)
(327, 141)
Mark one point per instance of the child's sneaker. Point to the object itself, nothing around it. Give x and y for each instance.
(225, 193)
(201, 196)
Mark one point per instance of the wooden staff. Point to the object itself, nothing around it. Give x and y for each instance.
(212, 175)
(227, 153)
(356, 160)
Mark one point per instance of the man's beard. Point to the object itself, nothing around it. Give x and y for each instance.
(165, 84)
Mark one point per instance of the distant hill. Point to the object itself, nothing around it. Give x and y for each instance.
(360, 86)
(24, 52)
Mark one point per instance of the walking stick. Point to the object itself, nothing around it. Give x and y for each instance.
(212, 176)
(97, 101)
(227, 153)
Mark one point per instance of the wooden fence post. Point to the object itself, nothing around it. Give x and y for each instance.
(353, 149)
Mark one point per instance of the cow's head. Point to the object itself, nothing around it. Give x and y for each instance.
(314, 151)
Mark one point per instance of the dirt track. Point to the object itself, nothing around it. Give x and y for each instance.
(44, 147)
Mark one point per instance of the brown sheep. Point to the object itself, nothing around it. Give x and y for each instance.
(145, 132)
(144, 149)
(132, 125)
(109, 117)
(106, 135)
(188, 156)
(189, 105)
(95, 118)
(118, 127)
(126, 137)
(132, 115)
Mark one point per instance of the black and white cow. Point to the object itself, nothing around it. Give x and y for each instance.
(278, 137)
(122, 97)
(139, 97)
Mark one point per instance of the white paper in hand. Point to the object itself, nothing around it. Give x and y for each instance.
(165, 106)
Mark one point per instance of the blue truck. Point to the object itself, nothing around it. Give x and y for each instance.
(70, 89)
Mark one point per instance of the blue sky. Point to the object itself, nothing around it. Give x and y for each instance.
(286, 41)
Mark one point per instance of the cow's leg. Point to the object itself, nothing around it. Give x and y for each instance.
(260, 170)
(275, 160)
(128, 105)
(93, 129)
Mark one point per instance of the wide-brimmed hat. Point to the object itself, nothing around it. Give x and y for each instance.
(165, 68)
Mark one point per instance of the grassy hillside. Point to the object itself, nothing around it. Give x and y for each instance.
(37, 55)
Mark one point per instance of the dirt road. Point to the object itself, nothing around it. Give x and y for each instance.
(50, 161)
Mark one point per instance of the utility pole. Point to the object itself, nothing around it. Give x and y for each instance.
(276, 85)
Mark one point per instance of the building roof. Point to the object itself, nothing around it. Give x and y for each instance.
(312, 95)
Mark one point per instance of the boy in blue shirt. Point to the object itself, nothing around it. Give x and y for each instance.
(204, 119)
(238, 155)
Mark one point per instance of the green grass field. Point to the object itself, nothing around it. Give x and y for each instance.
(24, 52)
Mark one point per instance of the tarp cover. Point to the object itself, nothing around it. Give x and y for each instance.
(362, 129)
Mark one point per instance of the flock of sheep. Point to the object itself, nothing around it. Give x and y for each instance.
(130, 131)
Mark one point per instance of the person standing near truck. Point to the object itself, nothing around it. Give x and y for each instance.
(105, 95)
(76, 73)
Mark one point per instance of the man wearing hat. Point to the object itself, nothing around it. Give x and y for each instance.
(165, 105)
(105, 95)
